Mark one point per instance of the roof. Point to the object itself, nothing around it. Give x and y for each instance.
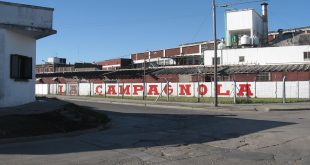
(291, 39)
(239, 69)
(85, 65)
(291, 29)
(24, 5)
(224, 70)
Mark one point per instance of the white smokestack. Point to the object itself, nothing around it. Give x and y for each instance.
(265, 22)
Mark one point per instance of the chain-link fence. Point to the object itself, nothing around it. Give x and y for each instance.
(228, 92)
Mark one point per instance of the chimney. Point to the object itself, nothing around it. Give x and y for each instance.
(265, 22)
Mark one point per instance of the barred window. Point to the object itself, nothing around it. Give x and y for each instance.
(307, 56)
(218, 61)
(21, 67)
(241, 59)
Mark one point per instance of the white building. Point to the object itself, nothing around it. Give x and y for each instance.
(260, 56)
(242, 22)
(20, 27)
(56, 60)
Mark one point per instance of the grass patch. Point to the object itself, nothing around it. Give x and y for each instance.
(68, 119)
(222, 100)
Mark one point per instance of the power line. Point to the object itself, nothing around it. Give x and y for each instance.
(239, 3)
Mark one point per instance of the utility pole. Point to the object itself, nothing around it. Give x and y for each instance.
(144, 79)
(215, 55)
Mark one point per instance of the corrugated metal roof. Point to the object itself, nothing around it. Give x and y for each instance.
(225, 70)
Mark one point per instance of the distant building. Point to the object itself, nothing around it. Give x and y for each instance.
(115, 64)
(86, 67)
(260, 56)
(248, 43)
(56, 60)
(55, 64)
(185, 54)
(20, 27)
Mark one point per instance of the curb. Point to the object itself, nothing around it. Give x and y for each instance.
(164, 105)
(288, 109)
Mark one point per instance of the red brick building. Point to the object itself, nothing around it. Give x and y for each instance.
(115, 64)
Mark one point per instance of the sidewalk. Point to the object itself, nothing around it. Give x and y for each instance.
(201, 106)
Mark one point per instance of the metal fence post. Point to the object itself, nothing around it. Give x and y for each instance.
(90, 89)
(235, 92)
(168, 91)
(48, 89)
(276, 92)
(255, 95)
(105, 89)
(178, 90)
(309, 89)
(198, 92)
(298, 92)
(284, 90)
(123, 90)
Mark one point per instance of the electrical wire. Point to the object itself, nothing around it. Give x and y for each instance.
(239, 3)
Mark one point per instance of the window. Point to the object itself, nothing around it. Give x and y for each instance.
(218, 61)
(21, 67)
(241, 58)
(263, 77)
(307, 56)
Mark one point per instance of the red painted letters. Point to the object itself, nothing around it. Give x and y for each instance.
(169, 89)
(60, 90)
(153, 90)
(111, 90)
(73, 89)
(202, 89)
(245, 90)
(185, 90)
(227, 93)
(124, 90)
(137, 88)
(99, 90)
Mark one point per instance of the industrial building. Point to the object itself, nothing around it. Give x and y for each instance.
(116, 64)
(249, 43)
(56, 64)
(248, 53)
(20, 26)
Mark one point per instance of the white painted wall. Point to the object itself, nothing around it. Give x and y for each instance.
(243, 20)
(294, 89)
(237, 20)
(13, 92)
(261, 56)
(26, 15)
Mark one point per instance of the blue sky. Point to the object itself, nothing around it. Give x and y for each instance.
(96, 30)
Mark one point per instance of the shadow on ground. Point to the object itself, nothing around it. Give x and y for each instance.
(144, 130)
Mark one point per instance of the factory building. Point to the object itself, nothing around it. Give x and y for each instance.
(56, 64)
(248, 53)
(249, 43)
(116, 64)
(185, 54)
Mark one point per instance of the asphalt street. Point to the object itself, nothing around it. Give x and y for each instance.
(159, 135)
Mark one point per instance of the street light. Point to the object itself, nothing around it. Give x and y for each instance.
(215, 55)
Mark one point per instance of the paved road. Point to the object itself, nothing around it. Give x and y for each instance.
(149, 135)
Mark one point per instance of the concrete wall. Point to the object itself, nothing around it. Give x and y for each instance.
(261, 56)
(243, 20)
(296, 89)
(26, 15)
(15, 92)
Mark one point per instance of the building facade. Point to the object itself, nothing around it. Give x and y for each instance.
(116, 64)
(20, 27)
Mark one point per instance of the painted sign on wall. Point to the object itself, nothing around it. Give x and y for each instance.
(206, 89)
